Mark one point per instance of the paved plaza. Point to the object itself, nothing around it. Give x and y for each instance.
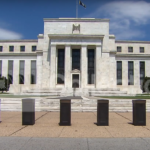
(83, 126)
(83, 134)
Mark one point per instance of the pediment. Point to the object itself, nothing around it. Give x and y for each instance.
(75, 71)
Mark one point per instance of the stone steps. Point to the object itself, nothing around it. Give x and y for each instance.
(44, 104)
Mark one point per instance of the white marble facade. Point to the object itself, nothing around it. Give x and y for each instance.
(73, 33)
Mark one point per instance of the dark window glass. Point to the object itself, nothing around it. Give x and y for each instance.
(130, 73)
(141, 49)
(91, 68)
(11, 48)
(130, 49)
(33, 48)
(0, 68)
(10, 71)
(61, 66)
(1, 48)
(76, 59)
(22, 48)
(119, 72)
(21, 72)
(142, 72)
(118, 48)
(33, 72)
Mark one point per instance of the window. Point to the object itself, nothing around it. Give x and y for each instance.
(119, 72)
(142, 72)
(61, 66)
(141, 49)
(91, 68)
(33, 48)
(130, 49)
(33, 72)
(76, 59)
(118, 48)
(21, 72)
(1, 48)
(22, 48)
(10, 71)
(0, 68)
(130, 73)
(11, 48)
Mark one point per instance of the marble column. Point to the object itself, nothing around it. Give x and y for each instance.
(16, 64)
(53, 66)
(68, 66)
(5, 68)
(27, 73)
(39, 68)
(83, 66)
(136, 73)
(125, 73)
(98, 56)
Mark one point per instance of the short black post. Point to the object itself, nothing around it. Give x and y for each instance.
(102, 112)
(28, 111)
(65, 112)
(0, 111)
(139, 112)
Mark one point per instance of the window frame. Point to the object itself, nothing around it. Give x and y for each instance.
(11, 46)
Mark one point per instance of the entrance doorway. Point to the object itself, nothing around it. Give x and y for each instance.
(75, 80)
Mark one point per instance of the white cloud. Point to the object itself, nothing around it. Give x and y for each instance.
(9, 35)
(125, 17)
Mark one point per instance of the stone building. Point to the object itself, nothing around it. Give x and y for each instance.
(75, 54)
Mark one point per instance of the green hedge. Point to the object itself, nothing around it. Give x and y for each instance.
(6, 85)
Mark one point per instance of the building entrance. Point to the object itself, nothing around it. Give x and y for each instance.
(75, 81)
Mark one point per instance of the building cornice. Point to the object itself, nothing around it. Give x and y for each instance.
(74, 36)
(18, 54)
(75, 20)
(133, 55)
(2, 41)
(142, 42)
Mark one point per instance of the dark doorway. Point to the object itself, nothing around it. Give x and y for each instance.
(75, 80)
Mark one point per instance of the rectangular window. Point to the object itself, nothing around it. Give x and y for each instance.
(10, 71)
(11, 48)
(61, 66)
(1, 48)
(33, 72)
(0, 68)
(91, 64)
(130, 49)
(33, 48)
(130, 73)
(118, 48)
(21, 72)
(119, 72)
(22, 48)
(142, 72)
(76, 59)
(141, 49)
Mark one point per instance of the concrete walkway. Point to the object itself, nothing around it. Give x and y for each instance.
(27, 143)
(83, 126)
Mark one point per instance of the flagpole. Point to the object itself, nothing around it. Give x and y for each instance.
(76, 8)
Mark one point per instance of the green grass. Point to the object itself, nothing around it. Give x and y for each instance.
(21, 96)
(126, 97)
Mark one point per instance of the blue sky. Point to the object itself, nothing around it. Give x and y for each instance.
(23, 19)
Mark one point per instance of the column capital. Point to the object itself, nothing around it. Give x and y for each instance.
(67, 45)
(98, 45)
(84, 45)
(53, 45)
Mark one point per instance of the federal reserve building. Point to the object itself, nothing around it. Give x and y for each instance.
(75, 56)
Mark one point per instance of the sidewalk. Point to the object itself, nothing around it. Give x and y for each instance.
(46, 125)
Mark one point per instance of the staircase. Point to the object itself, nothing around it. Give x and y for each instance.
(77, 92)
(80, 105)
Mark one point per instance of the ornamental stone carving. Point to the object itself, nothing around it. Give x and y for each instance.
(76, 28)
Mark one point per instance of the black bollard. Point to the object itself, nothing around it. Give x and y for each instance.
(102, 112)
(139, 112)
(65, 112)
(28, 111)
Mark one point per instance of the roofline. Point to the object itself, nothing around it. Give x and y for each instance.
(32, 40)
(124, 41)
(75, 20)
